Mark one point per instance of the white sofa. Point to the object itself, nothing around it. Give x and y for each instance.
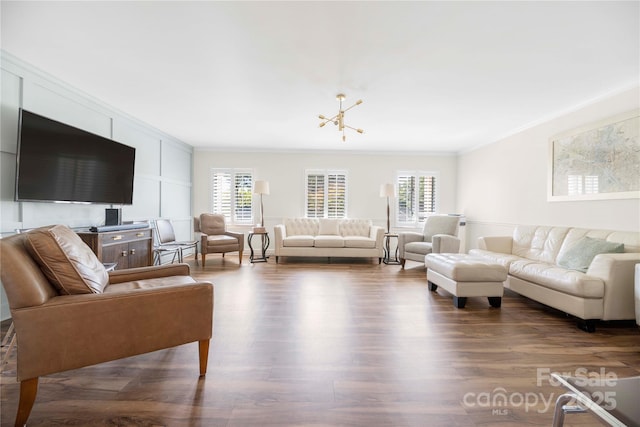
(544, 262)
(318, 237)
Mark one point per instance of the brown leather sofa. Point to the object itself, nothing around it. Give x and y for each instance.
(117, 314)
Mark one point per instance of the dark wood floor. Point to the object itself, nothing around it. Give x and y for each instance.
(351, 343)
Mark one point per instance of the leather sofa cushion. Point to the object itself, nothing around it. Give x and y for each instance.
(328, 242)
(538, 243)
(359, 242)
(67, 262)
(212, 224)
(298, 241)
(154, 283)
(220, 240)
(418, 247)
(558, 278)
(466, 268)
(497, 257)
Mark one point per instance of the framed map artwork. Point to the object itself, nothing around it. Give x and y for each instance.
(598, 161)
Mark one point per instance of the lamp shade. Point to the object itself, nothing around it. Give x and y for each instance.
(387, 190)
(261, 187)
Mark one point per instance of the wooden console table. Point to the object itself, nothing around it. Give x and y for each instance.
(125, 248)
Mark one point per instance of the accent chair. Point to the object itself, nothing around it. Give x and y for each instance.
(215, 238)
(439, 235)
(69, 312)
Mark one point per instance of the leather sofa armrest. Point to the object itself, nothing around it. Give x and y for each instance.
(239, 236)
(110, 326)
(445, 243)
(501, 244)
(152, 272)
(617, 271)
(408, 237)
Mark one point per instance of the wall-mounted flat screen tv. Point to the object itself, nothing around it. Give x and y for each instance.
(60, 163)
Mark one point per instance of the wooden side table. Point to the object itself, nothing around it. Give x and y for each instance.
(264, 239)
(387, 249)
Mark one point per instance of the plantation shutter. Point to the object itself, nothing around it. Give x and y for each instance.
(221, 194)
(326, 194)
(231, 195)
(336, 195)
(315, 196)
(243, 198)
(426, 197)
(406, 191)
(416, 197)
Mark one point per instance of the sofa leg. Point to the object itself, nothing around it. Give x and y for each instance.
(495, 301)
(28, 391)
(402, 261)
(277, 258)
(587, 325)
(203, 354)
(379, 260)
(432, 286)
(459, 302)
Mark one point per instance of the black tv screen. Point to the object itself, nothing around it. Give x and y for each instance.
(60, 163)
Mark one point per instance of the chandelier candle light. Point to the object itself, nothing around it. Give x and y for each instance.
(338, 119)
(261, 187)
(388, 191)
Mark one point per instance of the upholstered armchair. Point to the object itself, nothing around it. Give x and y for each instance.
(214, 237)
(440, 235)
(69, 312)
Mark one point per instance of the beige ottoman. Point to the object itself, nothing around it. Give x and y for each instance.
(466, 276)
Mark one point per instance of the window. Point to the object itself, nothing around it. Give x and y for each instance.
(326, 194)
(416, 197)
(231, 194)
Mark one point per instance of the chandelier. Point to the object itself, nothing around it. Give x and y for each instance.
(338, 119)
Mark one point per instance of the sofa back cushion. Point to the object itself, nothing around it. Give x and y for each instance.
(328, 227)
(212, 224)
(355, 227)
(66, 260)
(301, 226)
(538, 243)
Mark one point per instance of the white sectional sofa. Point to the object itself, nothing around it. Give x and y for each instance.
(317, 237)
(553, 265)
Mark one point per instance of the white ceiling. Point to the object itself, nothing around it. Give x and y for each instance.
(434, 76)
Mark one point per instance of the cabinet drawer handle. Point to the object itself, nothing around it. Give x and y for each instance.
(132, 251)
(139, 234)
(118, 237)
(124, 253)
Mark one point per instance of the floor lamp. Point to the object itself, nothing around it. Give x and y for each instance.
(388, 191)
(261, 187)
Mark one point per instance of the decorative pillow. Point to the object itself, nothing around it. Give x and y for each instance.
(329, 227)
(67, 261)
(581, 253)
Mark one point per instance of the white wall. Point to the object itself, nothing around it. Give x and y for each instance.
(505, 183)
(285, 173)
(163, 171)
